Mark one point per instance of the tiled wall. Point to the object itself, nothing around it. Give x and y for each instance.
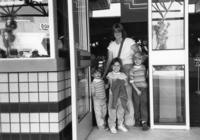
(34, 104)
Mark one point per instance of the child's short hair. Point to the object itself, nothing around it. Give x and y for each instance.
(138, 55)
(93, 71)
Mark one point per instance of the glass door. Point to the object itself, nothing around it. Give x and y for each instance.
(168, 64)
(79, 68)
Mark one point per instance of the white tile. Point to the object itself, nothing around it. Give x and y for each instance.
(14, 98)
(23, 77)
(24, 117)
(53, 76)
(33, 77)
(60, 76)
(13, 77)
(33, 97)
(34, 117)
(5, 117)
(24, 97)
(25, 128)
(5, 127)
(14, 87)
(35, 127)
(33, 87)
(44, 127)
(61, 125)
(54, 127)
(67, 83)
(14, 117)
(61, 85)
(67, 92)
(4, 87)
(4, 98)
(23, 87)
(53, 97)
(53, 117)
(61, 95)
(15, 127)
(42, 76)
(61, 115)
(43, 87)
(53, 86)
(43, 97)
(3, 77)
(44, 117)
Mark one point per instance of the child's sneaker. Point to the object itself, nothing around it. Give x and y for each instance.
(113, 130)
(122, 128)
(145, 126)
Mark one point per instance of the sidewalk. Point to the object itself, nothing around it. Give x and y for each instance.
(156, 134)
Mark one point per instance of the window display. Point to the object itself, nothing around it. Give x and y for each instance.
(27, 35)
(168, 24)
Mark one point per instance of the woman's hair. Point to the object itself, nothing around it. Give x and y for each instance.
(118, 27)
(114, 61)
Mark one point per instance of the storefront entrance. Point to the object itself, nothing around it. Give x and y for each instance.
(194, 83)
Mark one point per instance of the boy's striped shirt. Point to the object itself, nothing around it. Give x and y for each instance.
(138, 75)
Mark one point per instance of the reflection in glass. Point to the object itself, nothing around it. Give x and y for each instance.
(80, 22)
(169, 95)
(83, 93)
(168, 24)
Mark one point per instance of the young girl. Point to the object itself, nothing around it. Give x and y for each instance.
(117, 96)
(99, 99)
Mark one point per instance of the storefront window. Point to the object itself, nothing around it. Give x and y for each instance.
(24, 32)
(80, 22)
(168, 24)
(169, 94)
(83, 93)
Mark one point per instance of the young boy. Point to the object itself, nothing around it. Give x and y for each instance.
(138, 81)
(99, 99)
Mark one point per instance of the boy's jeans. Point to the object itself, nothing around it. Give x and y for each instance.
(100, 109)
(115, 113)
(140, 105)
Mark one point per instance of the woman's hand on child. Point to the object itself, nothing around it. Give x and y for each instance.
(139, 92)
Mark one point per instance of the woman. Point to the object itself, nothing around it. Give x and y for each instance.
(128, 50)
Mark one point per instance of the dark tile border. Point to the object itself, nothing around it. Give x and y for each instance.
(35, 107)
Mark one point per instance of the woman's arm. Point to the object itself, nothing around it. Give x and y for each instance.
(110, 57)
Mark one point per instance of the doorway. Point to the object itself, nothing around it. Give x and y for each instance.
(194, 54)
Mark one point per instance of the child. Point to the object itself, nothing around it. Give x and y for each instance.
(99, 99)
(117, 97)
(138, 81)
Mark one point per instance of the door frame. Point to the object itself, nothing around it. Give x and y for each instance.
(85, 125)
(187, 121)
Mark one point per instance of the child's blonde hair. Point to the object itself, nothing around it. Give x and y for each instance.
(138, 55)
